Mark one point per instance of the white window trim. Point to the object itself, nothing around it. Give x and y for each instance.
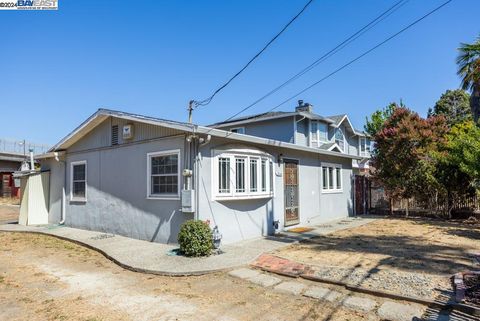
(326, 132)
(149, 176)
(318, 141)
(247, 155)
(78, 199)
(242, 128)
(365, 153)
(335, 189)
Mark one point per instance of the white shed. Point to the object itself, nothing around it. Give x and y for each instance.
(34, 203)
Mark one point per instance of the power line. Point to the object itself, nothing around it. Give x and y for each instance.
(209, 99)
(329, 54)
(363, 54)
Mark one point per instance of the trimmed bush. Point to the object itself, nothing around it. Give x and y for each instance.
(195, 238)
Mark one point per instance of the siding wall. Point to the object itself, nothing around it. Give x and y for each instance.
(302, 133)
(101, 135)
(117, 190)
(242, 219)
(117, 185)
(278, 129)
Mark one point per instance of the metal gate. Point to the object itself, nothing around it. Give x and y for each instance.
(291, 192)
(362, 195)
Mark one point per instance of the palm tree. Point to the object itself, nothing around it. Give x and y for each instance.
(468, 62)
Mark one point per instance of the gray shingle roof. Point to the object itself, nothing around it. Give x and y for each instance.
(326, 146)
(337, 118)
(252, 117)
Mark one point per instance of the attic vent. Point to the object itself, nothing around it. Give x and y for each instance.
(115, 135)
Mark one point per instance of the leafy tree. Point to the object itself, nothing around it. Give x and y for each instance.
(458, 162)
(468, 62)
(454, 105)
(403, 159)
(464, 149)
(378, 118)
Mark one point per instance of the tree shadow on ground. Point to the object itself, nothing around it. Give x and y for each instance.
(471, 234)
(420, 253)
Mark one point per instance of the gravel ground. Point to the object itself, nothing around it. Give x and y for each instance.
(409, 284)
(413, 257)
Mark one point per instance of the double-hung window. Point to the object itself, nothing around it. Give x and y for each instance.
(332, 179)
(164, 174)
(241, 175)
(364, 146)
(318, 133)
(78, 181)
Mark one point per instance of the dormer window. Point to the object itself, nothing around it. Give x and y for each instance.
(340, 139)
(318, 133)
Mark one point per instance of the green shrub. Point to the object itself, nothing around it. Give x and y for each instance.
(195, 238)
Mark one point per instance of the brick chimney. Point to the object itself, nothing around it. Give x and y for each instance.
(305, 107)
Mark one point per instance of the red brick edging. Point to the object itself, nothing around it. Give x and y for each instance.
(286, 267)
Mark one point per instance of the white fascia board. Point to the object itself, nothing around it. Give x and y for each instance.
(76, 134)
(350, 124)
(49, 155)
(335, 146)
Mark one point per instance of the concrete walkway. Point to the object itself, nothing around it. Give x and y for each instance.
(329, 227)
(157, 258)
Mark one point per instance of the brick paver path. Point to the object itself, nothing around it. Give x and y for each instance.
(275, 264)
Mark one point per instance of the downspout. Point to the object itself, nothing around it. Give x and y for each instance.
(63, 211)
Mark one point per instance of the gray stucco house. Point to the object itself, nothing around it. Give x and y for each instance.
(143, 177)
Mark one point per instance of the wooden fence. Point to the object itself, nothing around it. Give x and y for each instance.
(461, 207)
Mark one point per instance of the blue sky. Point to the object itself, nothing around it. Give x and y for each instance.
(152, 57)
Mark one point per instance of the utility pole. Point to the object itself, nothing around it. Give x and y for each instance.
(190, 110)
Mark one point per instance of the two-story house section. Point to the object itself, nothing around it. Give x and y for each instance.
(304, 127)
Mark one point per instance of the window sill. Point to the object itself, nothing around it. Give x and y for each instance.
(164, 197)
(242, 197)
(78, 200)
(332, 191)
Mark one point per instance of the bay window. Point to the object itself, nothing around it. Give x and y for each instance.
(241, 175)
(332, 180)
(224, 175)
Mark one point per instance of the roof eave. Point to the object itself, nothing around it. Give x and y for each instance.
(83, 129)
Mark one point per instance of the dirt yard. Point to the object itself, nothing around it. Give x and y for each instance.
(8, 213)
(9, 201)
(43, 278)
(410, 257)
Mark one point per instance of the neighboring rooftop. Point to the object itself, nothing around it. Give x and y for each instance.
(21, 147)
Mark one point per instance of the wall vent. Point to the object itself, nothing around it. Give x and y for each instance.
(115, 135)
